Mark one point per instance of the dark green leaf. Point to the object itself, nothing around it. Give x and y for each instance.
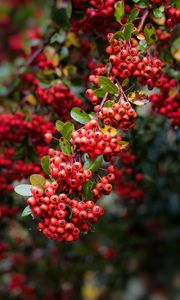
(70, 211)
(150, 33)
(23, 189)
(45, 164)
(37, 180)
(125, 82)
(93, 165)
(59, 16)
(80, 115)
(26, 211)
(119, 10)
(108, 103)
(88, 190)
(99, 93)
(69, 9)
(175, 47)
(67, 129)
(59, 125)
(65, 146)
(128, 31)
(142, 4)
(118, 34)
(107, 85)
(133, 15)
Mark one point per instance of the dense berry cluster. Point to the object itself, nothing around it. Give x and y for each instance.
(173, 16)
(13, 169)
(104, 186)
(69, 173)
(119, 115)
(92, 141)
(168, 101)
(63, 219)
(7, 211)
(128, 181)
(14, 127)
(59, 98)
(126, 62)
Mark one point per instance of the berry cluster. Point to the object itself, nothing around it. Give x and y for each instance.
(43, 63)
(63, 219)
(168, 101)
(7, 211)
(173, 16)
(105, 184)
(69, 175)
(126, 61)
(119, 115)
(93, 142)
(59, 98)
(163, 36)
(128, 181)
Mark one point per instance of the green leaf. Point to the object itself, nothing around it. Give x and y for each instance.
(45, 164)
(88, 190)
(69, 9)
(64, 53)
(58, 37)
(23, 189)
(175, 48)
(65, 146)
(59, 16)
(150, 33)
(118, 34)
(70, 211)
(93, 165)
(37, 180)
(99, 93)
(142, 4)
(128, 31)
(157, 13)
(107, 85)
(133, 15)
(26, 212)
(125, 82)
(59, 125)
(80, 115)
(119, 10)
(108, 103)
(67, 129)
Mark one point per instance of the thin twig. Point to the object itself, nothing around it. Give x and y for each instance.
(144, 16)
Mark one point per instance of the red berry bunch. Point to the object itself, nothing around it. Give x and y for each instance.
(63, 219)
(128, 181)
(59, 98)
(69, 175)
(168, 101)
(92, 141)
(42, 62)
(119, 115)
(127, 61)
(104, 186)
(163, 36)
(173, 16)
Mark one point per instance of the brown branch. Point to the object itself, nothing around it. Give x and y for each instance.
(143, 19)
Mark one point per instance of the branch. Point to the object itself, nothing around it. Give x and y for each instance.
(143, 19)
